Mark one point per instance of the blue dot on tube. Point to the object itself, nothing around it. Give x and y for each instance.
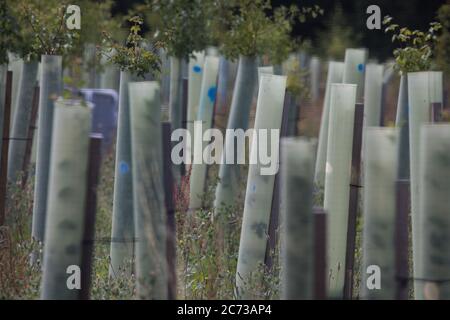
(197, 69)
(360, 67)
(124, 167)
(212, 94)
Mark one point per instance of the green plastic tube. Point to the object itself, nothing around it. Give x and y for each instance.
(175, 102)
(434, 184)
(424, 88)
(264, 70)
(91, 77)
(259, 193)
(110, 77)
(337, 180)
(66, 199)
(380, 166)
(148, 190)
(335, 73)
(297, 185)
(175, 92)
(373, 89)
(314, 77)
(402, 122)
(21, 119)
(122, 217)
(205, 114)
(195, 75)
(354, 69)
(244, 87)
(50, 88)
(372, 94)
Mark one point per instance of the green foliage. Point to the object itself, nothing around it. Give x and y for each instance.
(8, 39)
(122, 287)
(137, 56)
(207, 256)
(263, 284)
(416, 47)
(244, 27)
(21, 280)
(74, 80)
(338, 36)
(204, 269)
(296, 83)
(42, 28)
(182, 25)
(443, 43)
(18, 279)
(96, 18)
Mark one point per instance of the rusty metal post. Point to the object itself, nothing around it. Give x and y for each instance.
(170, 209)
(30, 135)
(353, 200)
(320, 253)
(95, 147)
(5, 147)
(402, 239)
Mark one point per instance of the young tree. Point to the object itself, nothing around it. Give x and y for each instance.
(246, 31)
(443, 43)
(182, 25)
(42, 27)
(43, 33)
(416, 50)
(419, 87)
(10, 36)
(136, 58)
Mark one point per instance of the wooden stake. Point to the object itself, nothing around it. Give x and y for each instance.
(30, 135)
(95, 147)
(436, 112)
(353, 201)
(184, 115)
(170, 208)
(320, 253)
(402, 239)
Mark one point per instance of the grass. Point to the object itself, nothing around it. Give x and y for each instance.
(206, 262)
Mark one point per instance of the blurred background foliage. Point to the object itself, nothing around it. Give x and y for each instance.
(349, 17)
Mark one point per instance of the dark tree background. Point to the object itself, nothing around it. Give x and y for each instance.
(415, 14)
